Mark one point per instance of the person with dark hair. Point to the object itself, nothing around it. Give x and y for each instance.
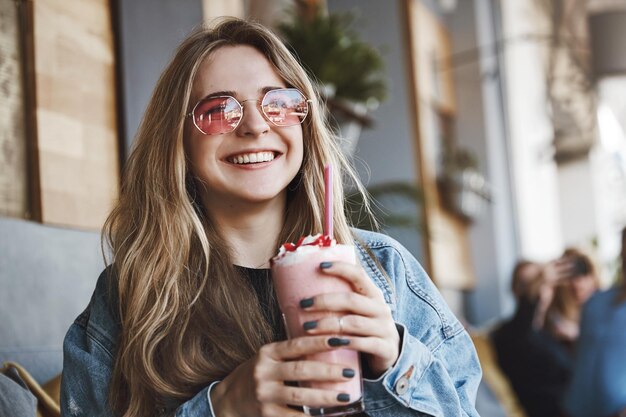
(536, 363)
(598, 383)
(227, 165)
(562, 319)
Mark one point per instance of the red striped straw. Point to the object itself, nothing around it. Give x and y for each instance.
(328, 200)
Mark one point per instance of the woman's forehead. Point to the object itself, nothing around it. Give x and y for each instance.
(241, 69)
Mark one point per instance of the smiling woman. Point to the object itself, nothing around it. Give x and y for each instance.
(227, 165)
(239, 128)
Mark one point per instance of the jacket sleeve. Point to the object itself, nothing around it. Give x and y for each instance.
(87, 371)
(437, 372)
(88, 357)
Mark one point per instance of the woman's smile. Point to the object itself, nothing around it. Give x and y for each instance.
(253, 158)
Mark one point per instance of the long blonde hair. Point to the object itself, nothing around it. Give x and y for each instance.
(187, 317)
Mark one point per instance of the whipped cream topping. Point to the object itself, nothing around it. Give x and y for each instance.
(305, 244)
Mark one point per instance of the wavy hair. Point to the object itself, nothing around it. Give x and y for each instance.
(187, 317)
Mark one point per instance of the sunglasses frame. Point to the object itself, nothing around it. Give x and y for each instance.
(240, 103)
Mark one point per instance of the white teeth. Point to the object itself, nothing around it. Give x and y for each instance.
(251, 158)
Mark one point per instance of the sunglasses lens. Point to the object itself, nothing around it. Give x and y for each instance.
(285, 106)
(215, 115)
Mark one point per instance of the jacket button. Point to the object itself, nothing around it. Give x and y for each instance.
(402, 386)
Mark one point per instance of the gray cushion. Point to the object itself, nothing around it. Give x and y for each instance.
(15, 398)
(47, 275)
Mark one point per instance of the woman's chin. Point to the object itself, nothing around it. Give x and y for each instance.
(262, 197)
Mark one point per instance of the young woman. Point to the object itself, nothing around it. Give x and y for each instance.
(563, 315)
(227, 165)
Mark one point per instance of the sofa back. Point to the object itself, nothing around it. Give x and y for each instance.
(47, 276)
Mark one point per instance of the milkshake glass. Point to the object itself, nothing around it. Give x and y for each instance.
(296, 274)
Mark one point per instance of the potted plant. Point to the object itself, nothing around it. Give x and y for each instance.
(464, 190)
(350, 72)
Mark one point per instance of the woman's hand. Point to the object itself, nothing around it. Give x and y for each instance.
(363, 316)
(257, 386)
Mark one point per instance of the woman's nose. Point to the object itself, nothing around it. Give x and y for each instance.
(253, 122)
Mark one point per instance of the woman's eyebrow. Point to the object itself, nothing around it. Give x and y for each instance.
(220, 93)
(270, 88)
(234, 94)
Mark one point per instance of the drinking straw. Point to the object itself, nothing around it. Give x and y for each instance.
(328, 200)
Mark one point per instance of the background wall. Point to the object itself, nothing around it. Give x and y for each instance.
(480, 128)
(386, 152)
(149, 32)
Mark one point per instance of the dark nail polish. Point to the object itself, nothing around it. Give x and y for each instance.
(309, 325)
(344, 398)
(348, 373)
(306, 302)
(337, 341)
(326, 265)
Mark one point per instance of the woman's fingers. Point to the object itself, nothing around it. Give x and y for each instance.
(306, 370)
(347, 301)
(348, 324)
(296, 348)
(311, 397)
(361, 283)
(373, 346)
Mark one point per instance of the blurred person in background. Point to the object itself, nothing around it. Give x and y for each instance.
(534, 346)
(598, 384)
(562, 320)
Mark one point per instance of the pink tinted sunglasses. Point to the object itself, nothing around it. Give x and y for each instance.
(215, 115)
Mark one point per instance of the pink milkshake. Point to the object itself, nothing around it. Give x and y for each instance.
(296, 274)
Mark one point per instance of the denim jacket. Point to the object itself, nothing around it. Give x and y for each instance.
(436, 374)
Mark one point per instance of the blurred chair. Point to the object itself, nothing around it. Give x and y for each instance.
(496, 396)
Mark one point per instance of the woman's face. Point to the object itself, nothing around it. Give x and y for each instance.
(244, 73)
(583, 287)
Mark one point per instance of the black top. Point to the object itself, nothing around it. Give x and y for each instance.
(261, 282)
(536, 364)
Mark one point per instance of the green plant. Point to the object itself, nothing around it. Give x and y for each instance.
(333, 54)
(387, 200)
(457, 159)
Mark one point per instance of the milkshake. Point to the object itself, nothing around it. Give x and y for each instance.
(296, 274)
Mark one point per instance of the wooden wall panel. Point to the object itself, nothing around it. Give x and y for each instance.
(13, 178)
(447, 245)
(77, 136)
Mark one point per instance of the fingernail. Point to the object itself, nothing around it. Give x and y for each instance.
(306, 302)
(309, 325)
(344, 398)
(337, 341)
(348, 373)
(326, 265)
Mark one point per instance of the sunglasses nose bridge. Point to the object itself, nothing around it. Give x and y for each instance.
(257, 107)
(250, 99)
